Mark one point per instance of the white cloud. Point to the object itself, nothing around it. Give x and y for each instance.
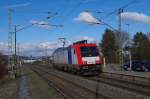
(49, 45)
(38, 49)
(34, 49)
(3, 48)
(87, 17)
(42, 24)
(134, 16)
(34, 22)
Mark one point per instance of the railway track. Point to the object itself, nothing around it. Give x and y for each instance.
(102, 87)
(128, 77)
(126, 83)
(67, 87)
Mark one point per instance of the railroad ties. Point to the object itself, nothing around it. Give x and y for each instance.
(105, 86)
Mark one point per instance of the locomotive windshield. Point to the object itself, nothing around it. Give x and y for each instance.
(89, 51)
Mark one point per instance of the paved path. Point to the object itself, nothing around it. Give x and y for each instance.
(24, 90)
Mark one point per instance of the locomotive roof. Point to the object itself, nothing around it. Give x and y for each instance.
(74, 45)
(88, 44)
(61, 48)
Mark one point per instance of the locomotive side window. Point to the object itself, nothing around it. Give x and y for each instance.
(89, 51)
(74, 51)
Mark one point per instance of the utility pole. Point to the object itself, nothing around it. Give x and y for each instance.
(19, 61)
(120, 29)
(18, 53)
(130, 54)
(128, 26)
(15, 57)
(15, 37)
(119, 17)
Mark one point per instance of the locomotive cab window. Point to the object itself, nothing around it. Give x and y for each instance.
(89, 51)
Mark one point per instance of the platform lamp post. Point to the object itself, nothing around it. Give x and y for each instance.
(15, 44)
(130, 55)
(15, 56)
(15, 53)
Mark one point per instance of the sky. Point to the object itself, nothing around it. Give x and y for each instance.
(78, 17)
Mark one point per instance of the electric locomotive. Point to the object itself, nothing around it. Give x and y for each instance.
(80, 57)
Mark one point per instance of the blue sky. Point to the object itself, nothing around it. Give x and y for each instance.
(68, 10)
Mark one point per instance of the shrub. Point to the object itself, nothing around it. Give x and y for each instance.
(3, 65)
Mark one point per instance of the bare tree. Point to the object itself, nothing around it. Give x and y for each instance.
(121, 39)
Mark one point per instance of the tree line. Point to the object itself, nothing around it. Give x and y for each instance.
(113, 43)
(3, 65)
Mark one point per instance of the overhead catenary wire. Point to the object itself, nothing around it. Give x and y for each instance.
(116, 10)
(70, 12)
(50, 15)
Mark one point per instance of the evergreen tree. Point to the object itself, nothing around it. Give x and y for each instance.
(109, 47)
(141, 47)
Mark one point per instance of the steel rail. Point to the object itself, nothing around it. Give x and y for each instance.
(78, 86)
(129, 77)
(119, 84)
(51, 84)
